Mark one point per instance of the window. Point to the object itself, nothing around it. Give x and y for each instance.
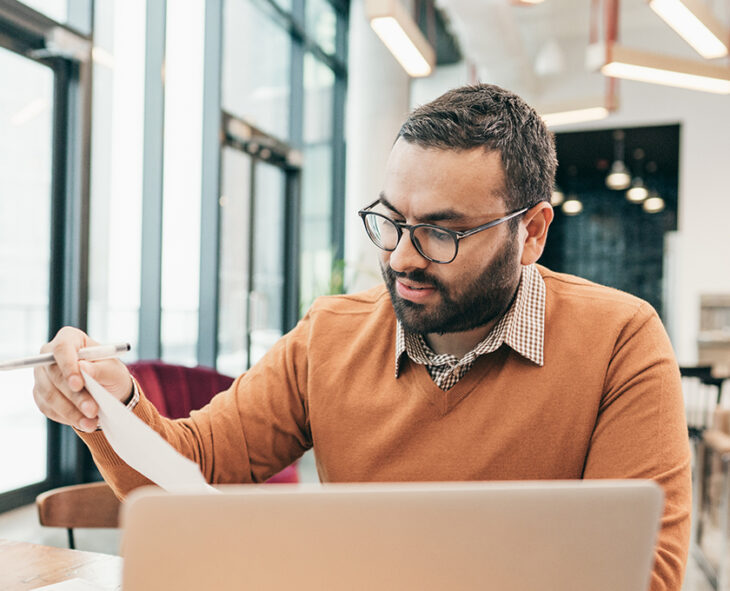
(26, 126)
(116, 173)
(75, 13)
(43, 205)
(321, 21)
(317, 249)
(256, 68)
(182, 181)
(71, 251)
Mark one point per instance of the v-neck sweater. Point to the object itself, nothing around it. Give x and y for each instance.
(607, 403)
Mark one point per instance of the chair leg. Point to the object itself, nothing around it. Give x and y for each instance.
(71, 543)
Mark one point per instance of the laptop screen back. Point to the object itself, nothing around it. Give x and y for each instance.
(596, 535)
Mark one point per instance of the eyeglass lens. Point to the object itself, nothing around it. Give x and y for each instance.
(433, 243)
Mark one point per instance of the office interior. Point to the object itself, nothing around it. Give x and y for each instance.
(185, 177)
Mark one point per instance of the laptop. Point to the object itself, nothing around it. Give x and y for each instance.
(506, 536)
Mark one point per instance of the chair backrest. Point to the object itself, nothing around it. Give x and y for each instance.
(87, 505)
(175, 390)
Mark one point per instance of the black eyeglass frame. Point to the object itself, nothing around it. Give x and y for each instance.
(455, 234)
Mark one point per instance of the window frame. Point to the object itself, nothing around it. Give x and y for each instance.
(27, 32)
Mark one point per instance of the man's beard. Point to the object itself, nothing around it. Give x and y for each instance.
(463, 307)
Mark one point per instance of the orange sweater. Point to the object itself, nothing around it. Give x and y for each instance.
(606, 404)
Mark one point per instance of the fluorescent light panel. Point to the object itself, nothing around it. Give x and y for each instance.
(694, 22)
(574, 116)
(401, 35)
(632, 64)
(591, 108)
(400, 45)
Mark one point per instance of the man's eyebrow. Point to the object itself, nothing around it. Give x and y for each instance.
(384, 200)
(436, 216)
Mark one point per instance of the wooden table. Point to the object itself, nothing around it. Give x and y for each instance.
(28, 566)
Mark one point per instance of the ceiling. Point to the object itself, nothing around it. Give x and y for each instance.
(539, 51)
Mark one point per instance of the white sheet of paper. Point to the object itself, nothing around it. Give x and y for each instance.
(73, 585)
(142, 448)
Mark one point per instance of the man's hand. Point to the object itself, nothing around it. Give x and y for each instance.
(59, 388)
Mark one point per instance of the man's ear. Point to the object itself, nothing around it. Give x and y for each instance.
(535, 224)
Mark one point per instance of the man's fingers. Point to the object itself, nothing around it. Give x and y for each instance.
(67, 362)
(82, 400)
(58, 407)
(65, 346)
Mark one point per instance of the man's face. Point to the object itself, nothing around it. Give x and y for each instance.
(457, 190)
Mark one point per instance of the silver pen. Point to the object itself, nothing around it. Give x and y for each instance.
(87, 354)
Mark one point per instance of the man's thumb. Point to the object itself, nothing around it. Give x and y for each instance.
(88, 368)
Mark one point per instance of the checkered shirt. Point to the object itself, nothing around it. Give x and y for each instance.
(521, 328)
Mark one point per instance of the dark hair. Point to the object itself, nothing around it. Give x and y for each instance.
(489, 116)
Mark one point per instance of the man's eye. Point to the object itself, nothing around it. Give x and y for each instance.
(441, 236)
(434, 234)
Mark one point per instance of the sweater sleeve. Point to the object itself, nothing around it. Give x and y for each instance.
(641, 432)
(247, 433)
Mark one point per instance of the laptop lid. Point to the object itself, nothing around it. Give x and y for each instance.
(543, 535)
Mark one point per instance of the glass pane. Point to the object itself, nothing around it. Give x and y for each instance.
(267, 297)
(116, 173)
(285, 4)
(26, 101)
(322, 24)
(235, 213)
(256, 55)
(182, 180)
(75, 13)
(316, 234)
(55, 9)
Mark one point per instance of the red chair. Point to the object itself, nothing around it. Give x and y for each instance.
(175, 390)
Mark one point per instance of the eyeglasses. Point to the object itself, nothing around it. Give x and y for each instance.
(437, 244)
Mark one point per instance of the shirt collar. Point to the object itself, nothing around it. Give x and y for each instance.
(522, 328)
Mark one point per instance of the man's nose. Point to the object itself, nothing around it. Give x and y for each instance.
(405, 257)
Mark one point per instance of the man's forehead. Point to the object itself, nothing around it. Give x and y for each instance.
(470, 182)
(460, 163)
(401, 144)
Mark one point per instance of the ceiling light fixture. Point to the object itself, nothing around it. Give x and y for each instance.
(622, 62)
(401, 35)
(578, 111)
(557, 197)
(618, 177)
(653, 204)
(695, 23)
(637, 191)
(574, 116)
(572, 205)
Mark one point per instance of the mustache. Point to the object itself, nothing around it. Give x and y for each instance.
(418, 276)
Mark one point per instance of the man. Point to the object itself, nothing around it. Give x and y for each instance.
(471, 363)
